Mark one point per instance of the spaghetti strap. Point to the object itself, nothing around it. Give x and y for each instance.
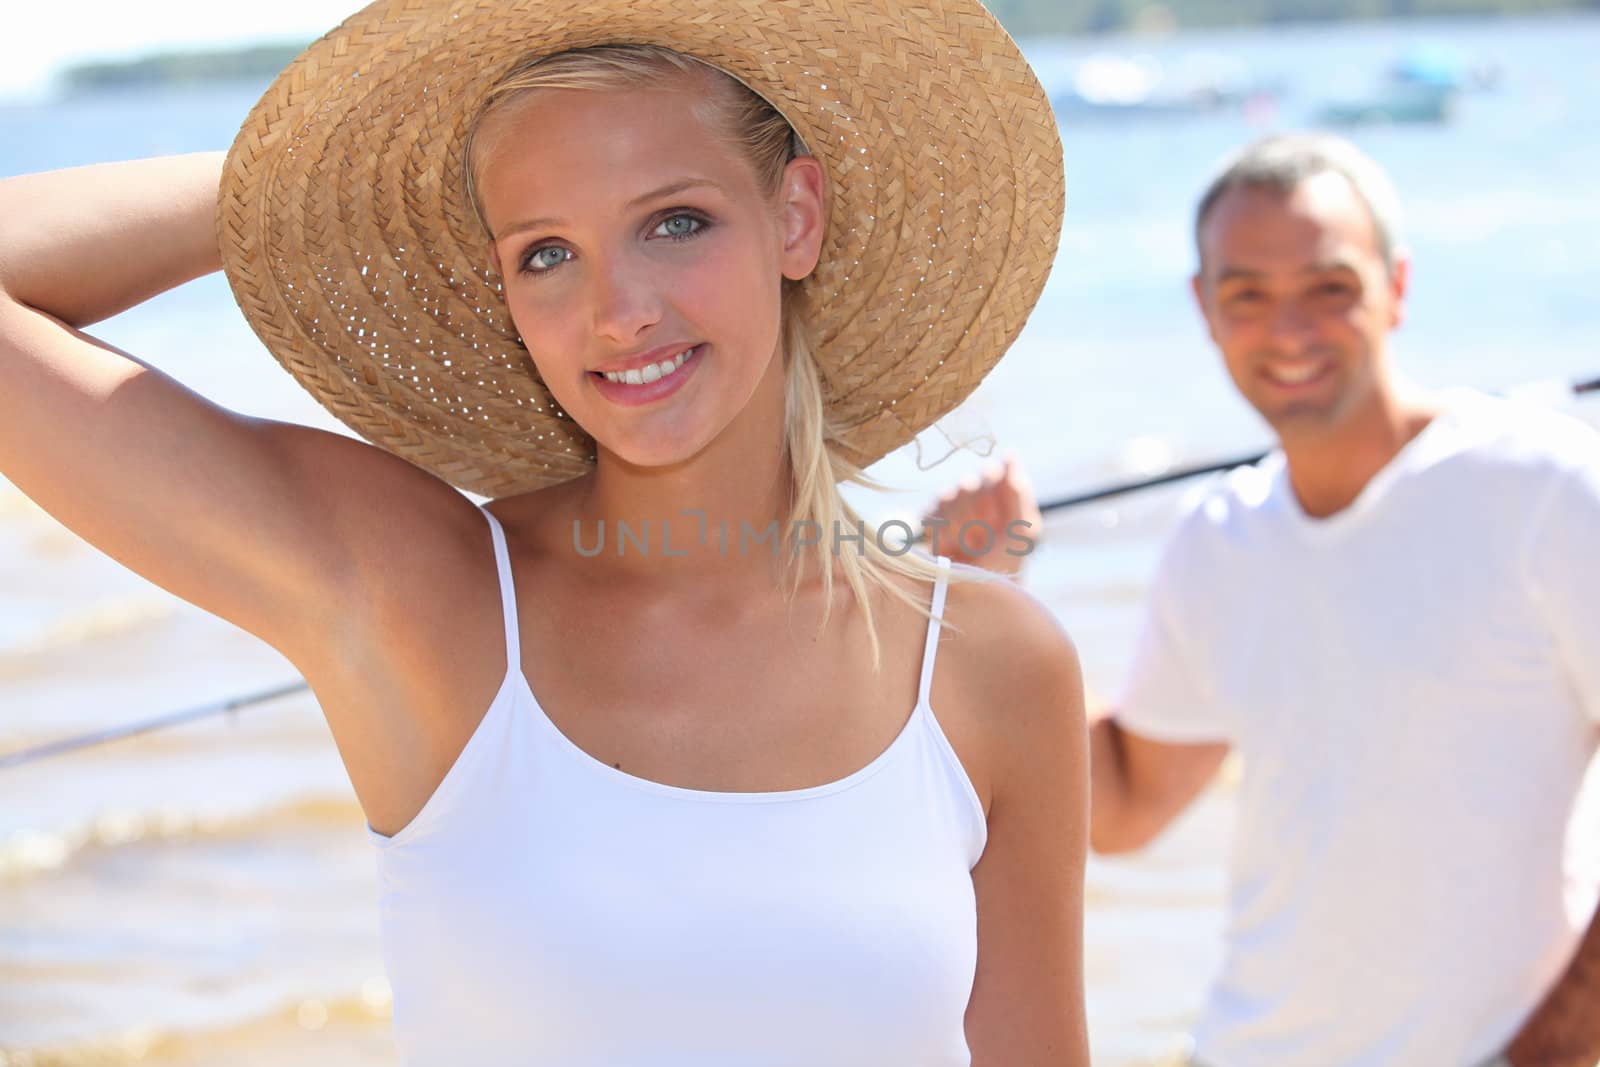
(508, 594)
(932, 644)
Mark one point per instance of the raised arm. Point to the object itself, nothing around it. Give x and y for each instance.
(264, 524)
(86, 243)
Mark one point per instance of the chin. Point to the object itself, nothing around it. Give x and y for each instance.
(1305, 416)
(1320, 408)
(651, 454)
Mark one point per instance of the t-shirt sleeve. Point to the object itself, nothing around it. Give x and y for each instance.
(1167, 695)
(1563, 573)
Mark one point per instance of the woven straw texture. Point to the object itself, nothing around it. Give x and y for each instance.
(356, 258)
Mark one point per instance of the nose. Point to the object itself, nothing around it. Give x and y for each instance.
(625, 300)
(1291, 327)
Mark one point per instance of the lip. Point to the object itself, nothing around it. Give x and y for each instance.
(650, 392)
(643, 359)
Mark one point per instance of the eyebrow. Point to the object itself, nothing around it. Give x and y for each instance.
(670, 189)
(1246, 274)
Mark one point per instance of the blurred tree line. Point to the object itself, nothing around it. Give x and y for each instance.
(1023, 18)
(183, 68)
(1027, 18)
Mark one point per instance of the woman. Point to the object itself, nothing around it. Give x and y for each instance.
(658, 319)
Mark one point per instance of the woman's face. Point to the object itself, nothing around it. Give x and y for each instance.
(635, 244)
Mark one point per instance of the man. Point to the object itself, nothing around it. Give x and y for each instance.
(1395, 620)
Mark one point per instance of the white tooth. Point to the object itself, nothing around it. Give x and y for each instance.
(651, 372)
(1295, 375)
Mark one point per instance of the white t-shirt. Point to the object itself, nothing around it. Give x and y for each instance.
(1414, 686)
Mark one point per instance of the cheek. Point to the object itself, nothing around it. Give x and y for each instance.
(1238, 358)
(1367, 319)
(1237, 338)
(707, 293)
(556, 341)
(1347, 332)
(734, 295)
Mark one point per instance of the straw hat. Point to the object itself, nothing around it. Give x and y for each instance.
(353, 251)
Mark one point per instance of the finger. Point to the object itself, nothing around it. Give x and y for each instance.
(1016, 474)
(1019, 482)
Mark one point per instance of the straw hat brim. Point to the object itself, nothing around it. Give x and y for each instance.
(354, 254)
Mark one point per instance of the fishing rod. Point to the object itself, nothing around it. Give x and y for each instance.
(73, 744)
(160, 722)
(1578, 388)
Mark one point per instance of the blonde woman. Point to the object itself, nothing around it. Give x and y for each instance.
(666, 758)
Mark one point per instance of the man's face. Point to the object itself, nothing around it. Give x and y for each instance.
(1296, 295)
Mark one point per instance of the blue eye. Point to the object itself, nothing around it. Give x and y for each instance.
(678, 227)
(544, 259)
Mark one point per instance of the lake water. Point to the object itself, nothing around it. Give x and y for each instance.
(204, 895)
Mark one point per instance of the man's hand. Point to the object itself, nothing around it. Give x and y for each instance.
(991, 522)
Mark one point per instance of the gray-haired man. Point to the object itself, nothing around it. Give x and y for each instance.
(1395, 619)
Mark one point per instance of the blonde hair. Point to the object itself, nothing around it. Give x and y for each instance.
(768, 142)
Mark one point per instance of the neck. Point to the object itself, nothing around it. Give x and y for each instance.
(700, 517)
(1330, 466)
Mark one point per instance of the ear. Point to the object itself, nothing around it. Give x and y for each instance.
(1197, 287)
(1399, 284)
(802, 216)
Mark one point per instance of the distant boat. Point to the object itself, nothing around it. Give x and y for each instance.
(1423, 86)
(1399, 102)
(1444, 66)
(1108, 85)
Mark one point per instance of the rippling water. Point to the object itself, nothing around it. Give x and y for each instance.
(204, 895)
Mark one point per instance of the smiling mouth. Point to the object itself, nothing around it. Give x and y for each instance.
(650, 372)
(1294, 374)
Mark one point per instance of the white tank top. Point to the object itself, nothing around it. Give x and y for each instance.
(545, 909)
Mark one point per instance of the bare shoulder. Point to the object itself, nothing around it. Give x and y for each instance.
(1012, 629)
(1019, 694)
(1012, 678)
